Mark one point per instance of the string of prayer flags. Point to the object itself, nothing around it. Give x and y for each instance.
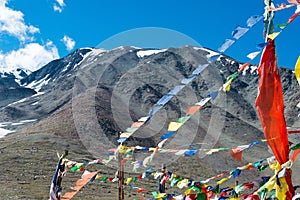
(211, 151)
(272, 36)
(226, 86)
(237, 33)
(86, 177)
(160, 103)
(294, 1)
(280, 7)
(193, 187)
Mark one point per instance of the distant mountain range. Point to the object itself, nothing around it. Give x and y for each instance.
(92, 94)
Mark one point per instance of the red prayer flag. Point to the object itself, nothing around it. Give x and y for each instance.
(192, 110)
(248, 185)
(270, 108)
(252, 197)
(236, 153)
(141, 190)
(293, 18)
(295, 154)
(243, 67)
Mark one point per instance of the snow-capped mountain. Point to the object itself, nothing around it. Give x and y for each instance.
(39, 94)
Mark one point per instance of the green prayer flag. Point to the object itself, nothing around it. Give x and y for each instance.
(201, 196)
(296, 147)
(216, 190)
(155, 194)
(263, 193)
(184, 119)
(262, 167)
(104, 179)
(74, 168)
(131, 129)
(272, 194)
(282, 26)
(232, 76)
(195, 188)
(239, 188)
(175, 181)
(129, 152)
(223, 149)
(134, 179)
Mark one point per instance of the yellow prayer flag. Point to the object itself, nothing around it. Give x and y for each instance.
(273, 35)
(174, 126)
(188, 191)
(183, 183)
(226, 86)
(281, 191)
(98, 176)
(297, 70)
(212, 151)
(128, 181)
(161, 195)
(125, 135)
(222, 181)
(123, 149)
(245, 166)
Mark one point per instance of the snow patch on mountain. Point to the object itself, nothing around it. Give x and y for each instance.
(4, 132)
(16, 73)
(144, 53)
(37, 85)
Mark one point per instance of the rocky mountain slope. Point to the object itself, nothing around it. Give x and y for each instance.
(82, 101)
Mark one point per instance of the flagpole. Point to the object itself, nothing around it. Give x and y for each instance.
(121, 178)
(269, 27)
(120, 174)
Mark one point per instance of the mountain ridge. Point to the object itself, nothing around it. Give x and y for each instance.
(95, 93)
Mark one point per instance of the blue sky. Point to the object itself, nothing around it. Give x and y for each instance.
(38, 31)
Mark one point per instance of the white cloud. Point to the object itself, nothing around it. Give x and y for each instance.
(69, 42)
(32, 57)
(59, 5)
(12, 23)
(57, 8)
